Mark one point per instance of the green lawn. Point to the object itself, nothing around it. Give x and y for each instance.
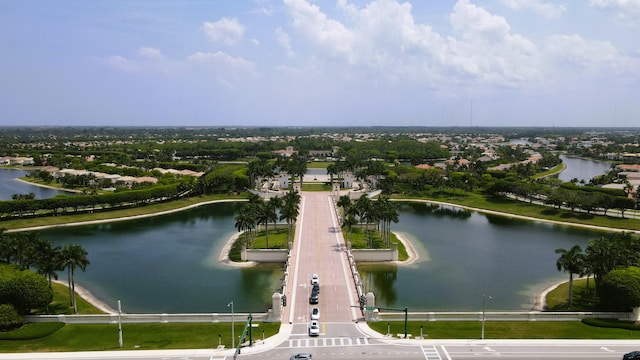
(509, 206)
(505, 330)
(112, 214)
(359, 241)
(135, 336)
(584, 298)
(61, 303)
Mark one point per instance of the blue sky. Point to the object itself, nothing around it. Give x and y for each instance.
(316, 63)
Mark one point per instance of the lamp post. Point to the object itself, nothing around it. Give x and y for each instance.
(119, 324)
(233, 335)
(484, 298)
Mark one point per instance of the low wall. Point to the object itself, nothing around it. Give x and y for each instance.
(264, 255)
(150, 318)
(376, 255)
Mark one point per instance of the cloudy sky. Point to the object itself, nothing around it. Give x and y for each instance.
(320, 62)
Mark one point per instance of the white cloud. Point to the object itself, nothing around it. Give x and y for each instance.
(228, 31)
(255, 42)
(546, 9)
(329, 34)
(150, 53)
(219, 57)
(627, 10)
(597, 56)
(285, 42)
(121, 63)
(488, 50)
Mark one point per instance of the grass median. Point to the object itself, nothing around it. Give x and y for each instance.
(504, 330)
(104, 337)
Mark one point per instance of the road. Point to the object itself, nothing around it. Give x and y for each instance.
(319, 248)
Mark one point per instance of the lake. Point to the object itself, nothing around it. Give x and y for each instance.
(170, 263)
(9, 185)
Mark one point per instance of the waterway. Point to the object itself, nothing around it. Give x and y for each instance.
(463, 257)
(582, 169)
(9, 185)
(170, 263)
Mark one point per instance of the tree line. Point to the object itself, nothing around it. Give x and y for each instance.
(22, 289)
(365, 212)
(608, 260)
(260, 212)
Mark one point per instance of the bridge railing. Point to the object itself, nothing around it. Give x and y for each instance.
(148, 318)
(500, 316)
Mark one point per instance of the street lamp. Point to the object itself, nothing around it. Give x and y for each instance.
(233, 335)
(484, 298)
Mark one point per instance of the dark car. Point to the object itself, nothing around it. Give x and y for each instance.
(316, 288)
(634, 355)
(300, 356)
(313, 299)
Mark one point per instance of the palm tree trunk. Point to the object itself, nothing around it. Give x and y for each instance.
(570, 290)
(69, 284)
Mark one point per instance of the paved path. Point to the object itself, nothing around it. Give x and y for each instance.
(319, 248)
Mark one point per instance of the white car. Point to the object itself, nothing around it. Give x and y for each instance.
(314, 328)
(315, 313)
(315, 279)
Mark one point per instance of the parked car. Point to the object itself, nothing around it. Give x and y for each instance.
(316, 288)
(300, 356)
(634, 355)
(314, 328)
(315, 279)
(315, 314)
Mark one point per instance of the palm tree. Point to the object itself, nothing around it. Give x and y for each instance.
(73, 256)
(290, 210)
(266, 214)
(47, 259)
(349, 221)
(386, 212)
(244, 222)
(571, 261)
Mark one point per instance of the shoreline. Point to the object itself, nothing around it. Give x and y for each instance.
(539, 297)
(48, 186)
(89, 297)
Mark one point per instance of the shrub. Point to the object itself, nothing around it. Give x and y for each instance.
(9, 318)
(611, 323)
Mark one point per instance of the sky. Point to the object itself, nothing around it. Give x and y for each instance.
(229, 63)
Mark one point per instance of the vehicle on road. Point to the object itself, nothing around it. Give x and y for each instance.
(634, 355)
(316, 288)
(315, 279)
(314, 328)
(314, 298)
(315, 313)
(300, 356)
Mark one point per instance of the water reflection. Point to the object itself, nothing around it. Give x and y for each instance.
(469, 256)
(170, 263)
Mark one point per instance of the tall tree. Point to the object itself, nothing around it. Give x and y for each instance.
(571, 261)
(245, 222)
(290, 210)
(73, 256)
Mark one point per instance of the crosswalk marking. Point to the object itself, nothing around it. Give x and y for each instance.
(327, 342)
(430, 352)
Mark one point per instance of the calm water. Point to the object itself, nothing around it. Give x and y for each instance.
(582, 169)
(170, 264)
(9, 186)
(463, 258)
